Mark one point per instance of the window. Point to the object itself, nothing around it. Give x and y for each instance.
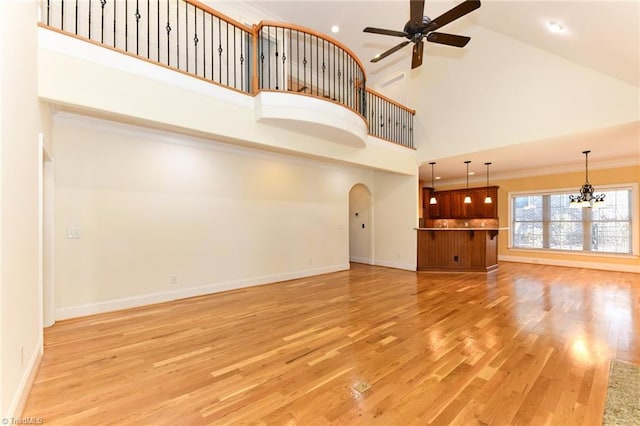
(545, 221)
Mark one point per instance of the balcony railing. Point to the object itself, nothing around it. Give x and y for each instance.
(190, 37)
(183, 35)
(389, 120)
(297, 59)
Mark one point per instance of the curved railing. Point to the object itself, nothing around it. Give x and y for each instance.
(296, 59)
(193, 38)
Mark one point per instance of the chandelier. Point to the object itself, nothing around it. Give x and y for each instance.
(586, 198)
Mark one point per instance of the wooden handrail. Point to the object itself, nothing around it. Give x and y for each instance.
(391, 101)
(217, 14)
(317, 34)
(255, 88)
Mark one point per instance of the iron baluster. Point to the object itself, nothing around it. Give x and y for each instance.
(186, 34)
(178, 34)
(227, 51)
(89, 19)
(195, 39)
(137, 16)
(168, 28)
(158, 30)
(219, 51)
(102, 5)
(204, 45)
(126, 26)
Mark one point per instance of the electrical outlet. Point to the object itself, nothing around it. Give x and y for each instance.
(173, 279)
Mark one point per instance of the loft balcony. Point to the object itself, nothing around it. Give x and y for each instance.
(290, 77)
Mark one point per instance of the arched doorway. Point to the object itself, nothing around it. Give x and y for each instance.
(360, 229)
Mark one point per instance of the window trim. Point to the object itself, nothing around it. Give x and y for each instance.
(635, 219)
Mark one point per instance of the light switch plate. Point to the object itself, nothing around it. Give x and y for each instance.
(73, 232)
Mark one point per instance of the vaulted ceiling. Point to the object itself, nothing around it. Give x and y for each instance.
(589, 74)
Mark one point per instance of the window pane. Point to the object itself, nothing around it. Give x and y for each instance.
(611, 237)
(560, 209)
(611, 226)
(546, 221)
(528, 235)
(528, 208)
(566, 236)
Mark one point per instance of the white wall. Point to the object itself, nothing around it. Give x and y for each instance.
(395, 201)
(482, 101)
(20, 323)
(152, 205)
(148, 94)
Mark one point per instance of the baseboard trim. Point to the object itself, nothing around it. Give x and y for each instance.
(26, 383)
(365, 260)
(167, 296)
(571, 263)
(396, 265)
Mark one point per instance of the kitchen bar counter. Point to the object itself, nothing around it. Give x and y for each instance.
(467, 249)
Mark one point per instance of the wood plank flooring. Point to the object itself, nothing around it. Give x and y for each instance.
(527, 344)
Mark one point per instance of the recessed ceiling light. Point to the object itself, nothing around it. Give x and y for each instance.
(555, 27)
(472, 173)
(335, 29)
(438, 177)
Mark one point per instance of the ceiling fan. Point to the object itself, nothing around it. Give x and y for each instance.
(419, 27)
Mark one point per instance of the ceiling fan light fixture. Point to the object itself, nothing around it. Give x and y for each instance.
(421, 27)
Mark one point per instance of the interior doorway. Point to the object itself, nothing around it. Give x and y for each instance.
(360, 229)
(46, 190)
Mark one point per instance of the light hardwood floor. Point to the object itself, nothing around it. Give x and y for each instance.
(528, 344)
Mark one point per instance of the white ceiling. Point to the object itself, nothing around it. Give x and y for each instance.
(601, 35)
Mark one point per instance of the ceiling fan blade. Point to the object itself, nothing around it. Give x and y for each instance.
(383, 55)
(384, 32)
(459, 11)
(417, 10)
(448, 39)
(418, 49)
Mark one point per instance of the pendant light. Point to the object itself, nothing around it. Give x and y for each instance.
(487, 199)
(586, 197)
(433, 199)
(467, 198)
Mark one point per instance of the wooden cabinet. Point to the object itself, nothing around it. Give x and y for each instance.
(451, 204)
(459, 250)
(443, 208)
